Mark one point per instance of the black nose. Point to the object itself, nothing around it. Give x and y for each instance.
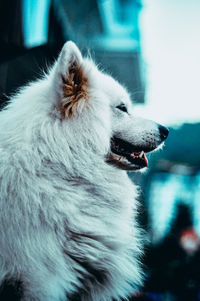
(163, 132)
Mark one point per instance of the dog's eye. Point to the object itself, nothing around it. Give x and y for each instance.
(122, 107)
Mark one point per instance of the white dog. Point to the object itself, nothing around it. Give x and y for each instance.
(67, 206)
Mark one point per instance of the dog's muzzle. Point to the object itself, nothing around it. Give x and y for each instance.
(127, 156)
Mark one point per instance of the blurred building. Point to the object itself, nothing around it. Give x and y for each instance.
(33, 32)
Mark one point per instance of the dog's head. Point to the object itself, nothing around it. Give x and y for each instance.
(101, 109)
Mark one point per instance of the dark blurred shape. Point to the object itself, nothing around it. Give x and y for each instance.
(11, 290)
(19, 65)
(27, 66)
(142, 296)
(11, 37)
(79, 20)
(170, 268)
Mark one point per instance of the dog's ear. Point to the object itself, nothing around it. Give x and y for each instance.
(72, 81)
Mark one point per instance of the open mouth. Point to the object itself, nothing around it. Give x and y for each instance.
(126, 156)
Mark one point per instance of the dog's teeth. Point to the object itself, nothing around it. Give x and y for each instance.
(141, 154)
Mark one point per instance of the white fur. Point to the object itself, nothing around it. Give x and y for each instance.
(61, 203)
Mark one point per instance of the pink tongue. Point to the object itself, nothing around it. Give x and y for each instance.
(145, 159)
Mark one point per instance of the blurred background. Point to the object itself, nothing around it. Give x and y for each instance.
(153, 48)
